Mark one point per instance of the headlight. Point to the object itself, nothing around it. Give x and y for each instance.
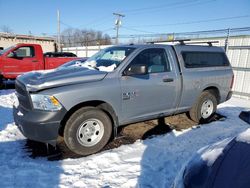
(45, 102)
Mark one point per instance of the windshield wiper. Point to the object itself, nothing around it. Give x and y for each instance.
(93, 66)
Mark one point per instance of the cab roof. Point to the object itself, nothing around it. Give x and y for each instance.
(177, 46)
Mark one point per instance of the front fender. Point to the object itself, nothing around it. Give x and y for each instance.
(107, 90)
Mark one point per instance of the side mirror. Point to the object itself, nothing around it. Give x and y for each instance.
(137, 70)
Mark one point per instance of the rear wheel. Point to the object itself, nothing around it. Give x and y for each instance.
(204, 108)
(87, 131)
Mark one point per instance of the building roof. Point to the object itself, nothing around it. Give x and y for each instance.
(27, 37)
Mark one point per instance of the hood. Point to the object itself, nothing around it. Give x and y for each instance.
(39, 80)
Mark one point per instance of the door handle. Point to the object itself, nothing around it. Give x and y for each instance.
(35, 61)
(167, 79)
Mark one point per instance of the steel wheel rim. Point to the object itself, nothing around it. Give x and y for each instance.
(207, 108)
(90, 132)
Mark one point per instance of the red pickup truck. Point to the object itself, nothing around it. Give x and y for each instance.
(22, 58)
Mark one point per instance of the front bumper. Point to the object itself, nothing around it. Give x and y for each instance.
(42, 126)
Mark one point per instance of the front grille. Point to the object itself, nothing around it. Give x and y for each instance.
(22, 95)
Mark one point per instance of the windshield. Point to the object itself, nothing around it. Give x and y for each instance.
(77, 62)
(108, 59)
(6, 49)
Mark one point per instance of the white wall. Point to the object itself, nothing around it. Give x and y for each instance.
(240, 61)
(85, 51)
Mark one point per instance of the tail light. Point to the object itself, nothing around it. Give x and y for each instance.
(232, 82)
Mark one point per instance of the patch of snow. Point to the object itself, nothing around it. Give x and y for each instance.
(77, 64)
(88, 64)
(7, 98)
(208, 154)
(211, 152)
(92, 64)
(40, 71)
(178, 133)
(236, 101)
(211, 155)
(108, 68)
(150, 163)
(244, 136)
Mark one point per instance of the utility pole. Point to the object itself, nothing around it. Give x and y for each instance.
(117, 25)
(227, 40)
(58, 31)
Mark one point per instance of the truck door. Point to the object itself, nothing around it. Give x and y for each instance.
(20, 60)
(154, 93)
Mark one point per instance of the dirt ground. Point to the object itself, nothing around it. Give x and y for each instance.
(126, 135)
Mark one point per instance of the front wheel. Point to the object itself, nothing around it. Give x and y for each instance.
(204, 108)
(1, 82)
(87, 131)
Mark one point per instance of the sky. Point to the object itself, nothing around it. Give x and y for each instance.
(141, 16)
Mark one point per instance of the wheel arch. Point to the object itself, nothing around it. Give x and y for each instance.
(214, 90)
(104, 106)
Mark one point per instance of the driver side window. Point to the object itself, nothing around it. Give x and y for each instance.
(24, 52)
(155, 58)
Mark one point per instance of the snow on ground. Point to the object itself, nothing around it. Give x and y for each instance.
(244, 136)
(150, 163)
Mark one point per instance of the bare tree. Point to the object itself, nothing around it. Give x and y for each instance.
(83, 37)
(106, 40)
(67, 37)
(6, 29)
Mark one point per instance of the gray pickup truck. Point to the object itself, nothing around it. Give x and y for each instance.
(85, 102)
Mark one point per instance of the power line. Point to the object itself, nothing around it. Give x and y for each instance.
(65, 24)
(169, 5)
(159, 6)
(70, 26)
(87, 33)
(98, 20)
(138, 30)
(194, 22)
(88, 41)
(163, 6)
(182, 4)
(207, 32)
(93, 22)
(109, 29)
(180, 35)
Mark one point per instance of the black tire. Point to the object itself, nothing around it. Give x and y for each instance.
(195, 112)
(76, 123)
(1, 82)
